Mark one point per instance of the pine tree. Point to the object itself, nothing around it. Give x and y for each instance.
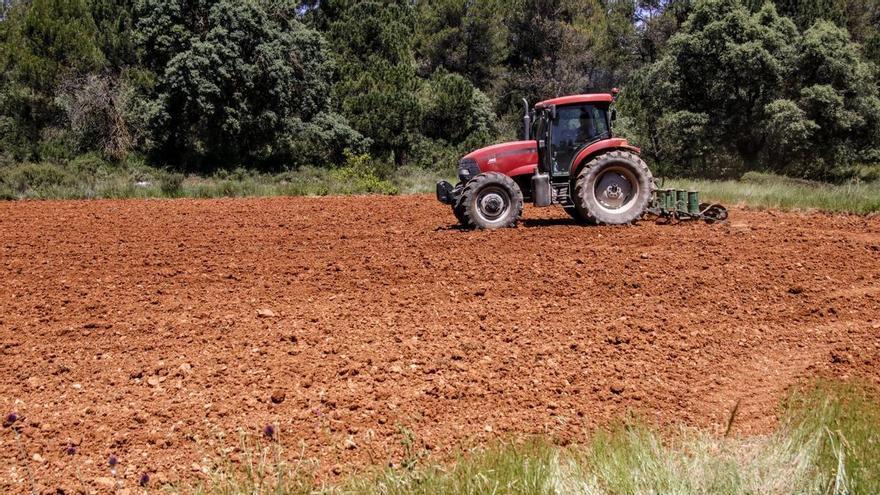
(40, 42)
(378, 84)
(462, 36)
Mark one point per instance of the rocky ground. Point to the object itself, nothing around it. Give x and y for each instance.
(155, 331)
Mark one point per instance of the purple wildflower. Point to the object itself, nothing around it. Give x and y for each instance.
(10, 419)
(144, 479)
(269, 432)
(70, 449)
(113, 461)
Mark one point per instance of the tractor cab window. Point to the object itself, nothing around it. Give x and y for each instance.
(574, 127)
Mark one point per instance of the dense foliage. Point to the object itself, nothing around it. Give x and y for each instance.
(711, 87)
(734, 89)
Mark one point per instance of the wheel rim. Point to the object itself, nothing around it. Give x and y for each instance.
(616, 189)
(492, 204)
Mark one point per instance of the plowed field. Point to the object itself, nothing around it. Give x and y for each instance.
(149, 329)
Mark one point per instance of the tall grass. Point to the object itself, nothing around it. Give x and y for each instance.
(773, 191)
(90, 177)
(827, 442)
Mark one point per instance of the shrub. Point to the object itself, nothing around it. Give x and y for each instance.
(34, 177)
(88, 164)
(437, 154)
(360, 175)
(170, 183)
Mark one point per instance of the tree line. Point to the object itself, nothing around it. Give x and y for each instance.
(710, 87)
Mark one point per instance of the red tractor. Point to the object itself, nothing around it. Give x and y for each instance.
(572, 160)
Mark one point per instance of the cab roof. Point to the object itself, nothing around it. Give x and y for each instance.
(574, 99)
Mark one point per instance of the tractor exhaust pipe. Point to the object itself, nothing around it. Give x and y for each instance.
(527, 121)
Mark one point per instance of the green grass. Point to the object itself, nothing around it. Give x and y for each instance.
(772, 191)
(827, 442)
(41, 181)
(89, 177)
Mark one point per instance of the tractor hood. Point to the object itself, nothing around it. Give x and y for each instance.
(512, 158)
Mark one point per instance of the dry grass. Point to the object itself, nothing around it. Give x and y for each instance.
(782, 193)
(828, 442)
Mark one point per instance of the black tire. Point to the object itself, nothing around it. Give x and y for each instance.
(490, 201)
(575, 214)
(614, 188)
(713, 212)
(458, 211)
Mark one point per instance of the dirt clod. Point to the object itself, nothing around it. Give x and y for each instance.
(105, 482)
(266, 313)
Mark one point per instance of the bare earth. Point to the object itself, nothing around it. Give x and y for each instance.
(133, 328)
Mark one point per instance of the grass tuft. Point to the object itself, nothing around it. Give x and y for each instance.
(257, 466)
(510, 469)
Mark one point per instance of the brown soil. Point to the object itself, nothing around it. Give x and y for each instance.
(149, 329)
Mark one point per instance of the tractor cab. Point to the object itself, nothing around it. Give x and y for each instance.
(568, 130)
(564, 126)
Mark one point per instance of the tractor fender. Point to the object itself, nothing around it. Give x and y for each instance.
(587, 154)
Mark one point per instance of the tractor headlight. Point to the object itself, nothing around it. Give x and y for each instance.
(467, 169)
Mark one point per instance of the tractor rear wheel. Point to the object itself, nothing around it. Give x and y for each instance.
(490, 201)
(614, 188)
(578, 218)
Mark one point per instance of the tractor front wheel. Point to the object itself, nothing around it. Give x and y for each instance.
(490, 201)
(614, 188)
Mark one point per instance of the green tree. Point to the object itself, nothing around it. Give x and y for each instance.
(454, 110)
(805, 13)
(549, 56)
(114, 22)
(860, 17)
(462, 36)
(40, 42)
(567, 46)
(657, 21)
(378, 86)
(244, 82)
(720, 71)
(737, 90)
(839, 97)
